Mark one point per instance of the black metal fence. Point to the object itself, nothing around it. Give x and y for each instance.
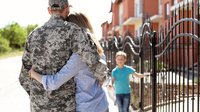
(170, 57)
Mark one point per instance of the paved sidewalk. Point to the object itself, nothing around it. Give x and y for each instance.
(13, 98)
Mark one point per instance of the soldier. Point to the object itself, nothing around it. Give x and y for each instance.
(48, 48)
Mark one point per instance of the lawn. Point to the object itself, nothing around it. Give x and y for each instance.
(16, 52)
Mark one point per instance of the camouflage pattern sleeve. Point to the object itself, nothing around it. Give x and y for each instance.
(24, 78)
(86, 48)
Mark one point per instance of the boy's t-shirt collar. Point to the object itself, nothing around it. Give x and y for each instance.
(120, 68)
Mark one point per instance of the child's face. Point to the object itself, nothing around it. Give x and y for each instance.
(120, 60)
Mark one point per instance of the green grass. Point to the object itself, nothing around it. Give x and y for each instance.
(195, 80)
(181, 87)
(13, 53)
(134, 100)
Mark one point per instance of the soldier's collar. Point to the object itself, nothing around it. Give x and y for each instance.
(57, 16)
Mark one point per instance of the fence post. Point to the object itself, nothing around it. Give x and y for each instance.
(141, 61)
(153, 74)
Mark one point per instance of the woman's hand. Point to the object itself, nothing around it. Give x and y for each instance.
(35, 75)
(31, 71)
(32, 68)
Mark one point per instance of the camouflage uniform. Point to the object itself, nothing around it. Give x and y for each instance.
(48, 48)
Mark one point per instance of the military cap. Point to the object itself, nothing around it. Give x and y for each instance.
(61, 4)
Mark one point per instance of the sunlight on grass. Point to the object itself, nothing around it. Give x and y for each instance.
(12, 53)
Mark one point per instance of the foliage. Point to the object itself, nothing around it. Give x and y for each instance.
(135, 100)
(4, 45)
(196, 80)
(160, 65)
(145, 92)
(15, 34)
(30, 28)
(181, 87)
(15, 52)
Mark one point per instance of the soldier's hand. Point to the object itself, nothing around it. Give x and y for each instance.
(101, 83)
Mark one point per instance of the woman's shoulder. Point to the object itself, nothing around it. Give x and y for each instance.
(75, 57)
(103, 56)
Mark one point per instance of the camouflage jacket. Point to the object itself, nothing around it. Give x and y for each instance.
(49, 47)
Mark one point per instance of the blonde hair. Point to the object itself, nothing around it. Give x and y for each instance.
(121, 53)
(82, 20)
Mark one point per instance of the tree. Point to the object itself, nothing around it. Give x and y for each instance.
(4, 45)
(30, 28)
(15, 34)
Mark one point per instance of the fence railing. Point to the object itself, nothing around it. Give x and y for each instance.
(170, 56)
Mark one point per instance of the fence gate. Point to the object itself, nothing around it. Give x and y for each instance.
(170, 57)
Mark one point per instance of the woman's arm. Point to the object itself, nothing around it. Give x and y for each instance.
(52, 82)
(112, 81)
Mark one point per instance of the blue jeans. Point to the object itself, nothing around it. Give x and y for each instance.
(123, 102)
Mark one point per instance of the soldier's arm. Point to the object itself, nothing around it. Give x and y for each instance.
(87, 50)
(69, 70)
(24, 78)
(112, 80)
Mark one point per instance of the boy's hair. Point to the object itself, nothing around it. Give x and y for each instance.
(120, 53)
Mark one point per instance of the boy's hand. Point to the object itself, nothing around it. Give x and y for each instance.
(110, 87)
(146, 75)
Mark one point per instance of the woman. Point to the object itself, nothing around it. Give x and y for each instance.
(90, 96)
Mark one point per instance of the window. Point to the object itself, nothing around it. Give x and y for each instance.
(160, 7)
(121, 19)
(136, 33)
(140, 7)
(136, 8)
(121, 33)
(105, 28)
(121, 14)
(174, 2)
(160, 27)
(166, 11)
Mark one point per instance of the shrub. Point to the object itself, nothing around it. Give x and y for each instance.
(4, 45)
(160, 65)
(196, 80)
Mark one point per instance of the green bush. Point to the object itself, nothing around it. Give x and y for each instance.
(160, 65)
(135, 100)
(4, 45)
(196, 80)
(16, 35)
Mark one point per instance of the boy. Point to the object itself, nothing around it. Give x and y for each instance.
(120, 77)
